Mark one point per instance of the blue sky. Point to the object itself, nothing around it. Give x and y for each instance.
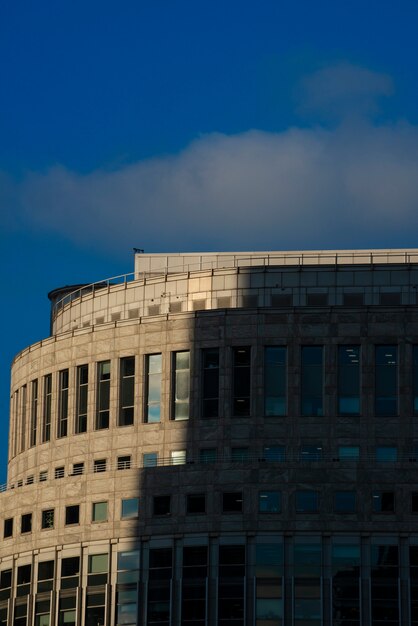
(194, 125)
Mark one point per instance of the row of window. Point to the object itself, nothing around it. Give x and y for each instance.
(304, 560)
(275, 389)
(269, 501)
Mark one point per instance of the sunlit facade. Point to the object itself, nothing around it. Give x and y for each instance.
(219, 439)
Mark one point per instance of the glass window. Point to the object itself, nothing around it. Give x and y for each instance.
(153, 368)
(82, 398)
(47, 411)
(24, 574)
(127, 391)
(26, 523)
(312, 380)
(196, 503)
(62, 429)
(194, 582)
(231, 586)
(307, 501)
(34, 413)
(78, 469)
(97, 569)
(181, 385)
(414, 502)
(99, 465)
(70, 572)
(59, 472)
(178, 457)
(162, 505)
(99, 512)
(103, 395)
(48, 517)
(415, 379)
(241, 401)
(349, 380)
(159, 587)
(208, 455)
(8, 527)
(311, 453)
(46, 570)
(386, 454)
(72, 514)
(383, 502)
(386, 381)
(232, 502)
(275, 381)
(348, 453)
(270, 502)
(240, 455)
(274, 453)
(210, 382)
(124, 462)
(23, 402)
(130, 508)
(150, 459)
(344, 501)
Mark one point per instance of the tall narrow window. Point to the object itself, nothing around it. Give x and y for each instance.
(384, 585)
(349, 380)
(62, 430)
(181, 385)
(346, 583)
(415, 380)
(127, 391)
(34, 413)
(269, 584)
(103, 395)
(210, 382)
(231, 585)
(312, 380)
(23, 398)
(159, 587)
(241, 401)
(307, 589)
(81, 400)
(15, 400)
(153, 365)
(386, 382)
(194, 586)
(275, 380)
(46, 417)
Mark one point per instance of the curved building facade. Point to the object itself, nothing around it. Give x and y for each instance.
(219, 439)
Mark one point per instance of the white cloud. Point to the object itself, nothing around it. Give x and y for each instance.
(353, 186)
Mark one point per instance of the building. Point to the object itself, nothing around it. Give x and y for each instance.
(219, 439)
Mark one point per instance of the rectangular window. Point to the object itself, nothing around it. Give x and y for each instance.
(70, 572)
(97, 570)
(127, 391)
(386, 381)
(231, 585)
(312, 381)
(269, 502)
(178, 457)
(103, 395)
(386, 454)
(415, 379)
(311, 453)
(181, 385)
(307, 501)
(275, 381)
(8, 528)
(43, 476)
(26, 523)
(414, 503)
(241, 400)
(274, 453)
(159, 587)
(383, 502)
(24, 573)
(126, 608)
(34, 413)
(208, 455)
(99, 465)
(124, 462)
(72, 514)
(5, 584)
(162, 505)
(348, 453)
(345, 583)
(46, 571)
(269, 585)
(59, 472)
(195, 503)
(349, 380)
(82, 398)
(194, 586)
(47, 520)
(232, 502)
(210, 382)
(62, 429)
(42, 611)
(240, 455)
(130, 508)
(23, 399)
(47, 412)
(153, 369)
(150, 459)
(78, 469)
(385, 585)
(99, 512)
(344, 501)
